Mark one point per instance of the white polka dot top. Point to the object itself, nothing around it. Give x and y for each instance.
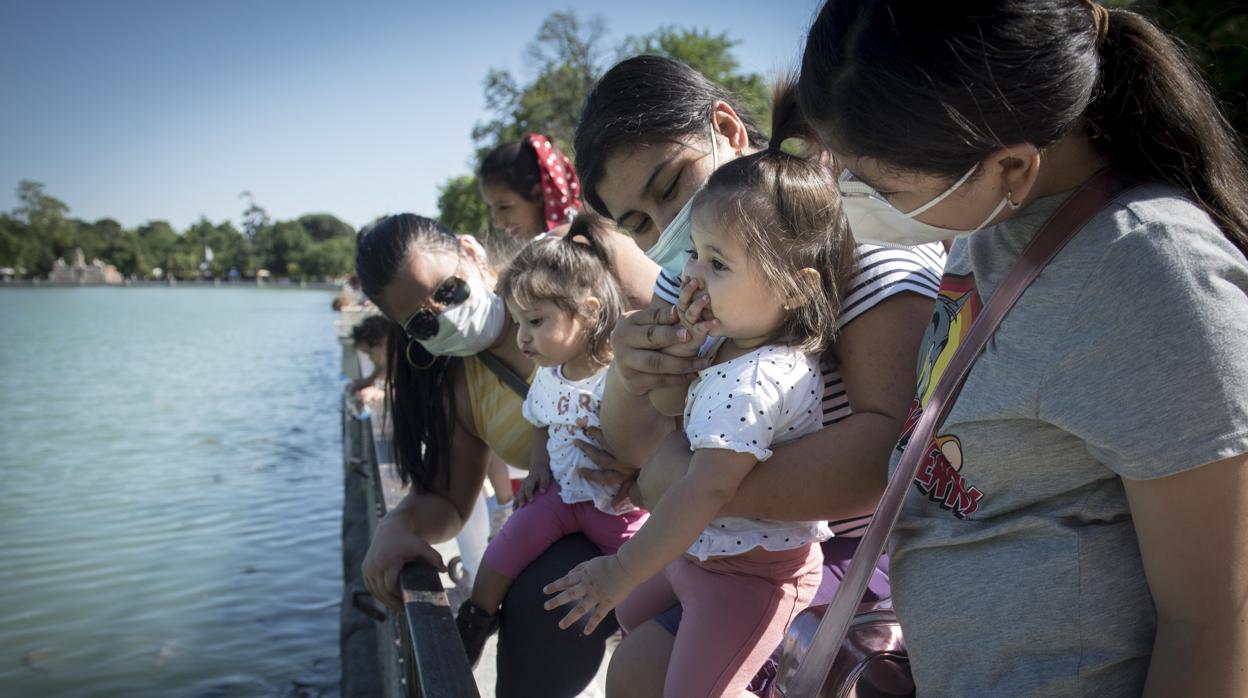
(747, 404)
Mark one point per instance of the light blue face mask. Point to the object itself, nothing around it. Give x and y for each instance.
(671, 250)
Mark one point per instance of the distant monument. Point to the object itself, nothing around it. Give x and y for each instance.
(81, 273)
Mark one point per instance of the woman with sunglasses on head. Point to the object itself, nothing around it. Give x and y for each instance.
(1079, 526)
(450, 409)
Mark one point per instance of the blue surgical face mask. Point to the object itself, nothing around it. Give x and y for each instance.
(671, 250)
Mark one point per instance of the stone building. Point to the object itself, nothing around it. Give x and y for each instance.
(81, 273)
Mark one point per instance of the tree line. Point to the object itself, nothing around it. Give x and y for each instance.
(39, 230)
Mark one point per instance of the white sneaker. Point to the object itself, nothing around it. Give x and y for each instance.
(499, 513)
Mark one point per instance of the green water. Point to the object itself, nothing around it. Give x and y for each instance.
(170, 492)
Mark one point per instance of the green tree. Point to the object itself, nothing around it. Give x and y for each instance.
(47, 234)
(229, 249)
(1215, 34)
(12, 234)
(461, 208)
(566, 56)
(567, 59)
(324, 226)
(280, 245)
(255, 218)
(331, 258)
(126, 252)
(94, 238)
(182, 264)
(159, 242)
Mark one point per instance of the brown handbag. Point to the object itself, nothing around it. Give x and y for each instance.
(846, 649)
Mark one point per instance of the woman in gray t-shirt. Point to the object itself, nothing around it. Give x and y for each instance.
(1078, 526)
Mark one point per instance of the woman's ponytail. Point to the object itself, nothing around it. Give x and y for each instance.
(1156, 118)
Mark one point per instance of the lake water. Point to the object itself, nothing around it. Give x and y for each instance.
(170, 492)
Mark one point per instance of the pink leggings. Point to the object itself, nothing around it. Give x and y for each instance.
(736, 610)
(537, 525)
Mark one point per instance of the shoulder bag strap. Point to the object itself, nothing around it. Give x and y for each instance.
(509, 377)
(1098, 191)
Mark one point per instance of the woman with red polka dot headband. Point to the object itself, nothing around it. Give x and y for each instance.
(529, 187)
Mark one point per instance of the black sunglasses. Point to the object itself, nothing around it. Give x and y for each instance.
(423, 324)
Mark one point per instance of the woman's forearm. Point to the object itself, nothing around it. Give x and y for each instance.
(432, 517)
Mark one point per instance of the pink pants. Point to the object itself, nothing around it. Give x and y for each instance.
(537, 525)
(736, 610)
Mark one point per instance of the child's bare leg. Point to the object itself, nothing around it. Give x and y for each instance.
(500, 479)
(489, 588)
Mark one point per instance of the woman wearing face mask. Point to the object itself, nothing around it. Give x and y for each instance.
(1080, 528)
(651, 132)
(529, 187)
(450, 409)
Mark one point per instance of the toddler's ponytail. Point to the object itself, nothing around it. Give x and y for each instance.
(787, 118)
(564, 271)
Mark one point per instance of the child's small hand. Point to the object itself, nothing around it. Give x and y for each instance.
(598, 585)
(692, 309)
(692, 315)
(536, 481)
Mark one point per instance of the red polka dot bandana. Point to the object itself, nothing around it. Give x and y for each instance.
(561, 191)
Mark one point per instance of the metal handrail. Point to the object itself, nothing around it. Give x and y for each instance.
(431, 660)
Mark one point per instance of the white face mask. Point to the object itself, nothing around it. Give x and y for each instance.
(671, 250)
(872, 219)
(470, 327)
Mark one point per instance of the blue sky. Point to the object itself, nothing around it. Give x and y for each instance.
(141, 110)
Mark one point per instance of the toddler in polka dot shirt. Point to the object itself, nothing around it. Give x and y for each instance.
(771, 257)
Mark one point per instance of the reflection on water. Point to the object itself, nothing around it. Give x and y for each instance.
(170, 492)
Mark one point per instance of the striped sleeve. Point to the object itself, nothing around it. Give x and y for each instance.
(667, 287)
(884, 272)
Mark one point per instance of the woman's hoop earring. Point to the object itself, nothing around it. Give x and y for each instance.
(1009, 196)
(407, 352)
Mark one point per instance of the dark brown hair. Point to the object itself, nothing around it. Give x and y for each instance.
(419, 387)
(786, 210)
(923, 87)
(372, 331)
(566, 271)
(513, 165)
(646, 100)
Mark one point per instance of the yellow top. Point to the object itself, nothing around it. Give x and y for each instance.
(497, 414)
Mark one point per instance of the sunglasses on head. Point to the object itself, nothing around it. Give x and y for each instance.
(423, 324)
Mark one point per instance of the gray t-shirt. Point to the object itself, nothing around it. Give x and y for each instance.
(1015, 565)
